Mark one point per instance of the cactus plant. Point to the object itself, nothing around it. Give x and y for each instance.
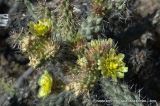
(65, 26)
(67, 98)
(91, 26)
(119, 94)
(98, 59)
(62, 99)
(37, 49)
(88, 61)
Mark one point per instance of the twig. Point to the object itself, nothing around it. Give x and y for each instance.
(21, 80)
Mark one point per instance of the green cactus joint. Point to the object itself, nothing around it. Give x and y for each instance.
(90, 26)
(112, 65)
(38, 49)
(118, 92)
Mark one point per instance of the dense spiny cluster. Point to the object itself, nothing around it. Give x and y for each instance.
(96, 58)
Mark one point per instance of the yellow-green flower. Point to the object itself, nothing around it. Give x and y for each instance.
(41, 28)
(112, 65)
(45, 82)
